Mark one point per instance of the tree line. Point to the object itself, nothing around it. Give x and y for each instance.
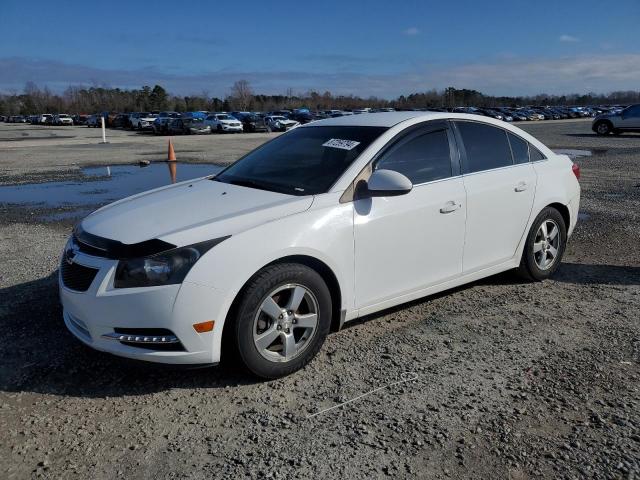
(78, 99)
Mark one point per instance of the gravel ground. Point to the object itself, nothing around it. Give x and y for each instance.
(498, 379)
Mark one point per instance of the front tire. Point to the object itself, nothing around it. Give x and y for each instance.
(282, 320)
(544, 246)
(603, 128)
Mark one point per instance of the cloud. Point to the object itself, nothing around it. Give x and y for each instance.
(411, 31)
(506, 76)
(568, 38)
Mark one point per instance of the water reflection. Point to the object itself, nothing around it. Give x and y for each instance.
(173, 169)
(98, 186)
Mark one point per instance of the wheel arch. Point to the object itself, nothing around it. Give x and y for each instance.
(603, 120)
(564, 211)
(315, 264)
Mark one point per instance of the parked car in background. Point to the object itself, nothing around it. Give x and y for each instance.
(223, 122)
(187, 126)
(251, 122)
(142, 120)
(161, 123)
(303, 117)
(487, 112)
(42, 119)
(62, 119)
(278, 123)
(80, 119)
(121, 120)
(93, 121)
(627, 120)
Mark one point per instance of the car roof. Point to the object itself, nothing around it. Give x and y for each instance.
(389, 119)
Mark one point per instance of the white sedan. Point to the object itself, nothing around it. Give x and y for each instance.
(223, 122)
(331, 221)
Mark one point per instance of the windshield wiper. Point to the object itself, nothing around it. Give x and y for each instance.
(241, 182)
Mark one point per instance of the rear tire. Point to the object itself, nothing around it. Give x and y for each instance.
(544, 246)
(281, 320)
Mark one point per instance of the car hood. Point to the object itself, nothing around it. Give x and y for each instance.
(191, 211)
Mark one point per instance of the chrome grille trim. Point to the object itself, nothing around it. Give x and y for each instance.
(146, 339)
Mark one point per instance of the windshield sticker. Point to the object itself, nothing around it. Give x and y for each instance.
(341, 144)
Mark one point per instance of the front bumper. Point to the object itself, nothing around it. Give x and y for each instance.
(94, 315)
(231, 128)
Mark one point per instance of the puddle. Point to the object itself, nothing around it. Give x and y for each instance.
(100, 185)
(576, 153)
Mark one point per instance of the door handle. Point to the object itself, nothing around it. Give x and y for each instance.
(450, 206)
(521, 187)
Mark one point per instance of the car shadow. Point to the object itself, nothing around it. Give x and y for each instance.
(38, 354)
(574, 273)
(591, 135)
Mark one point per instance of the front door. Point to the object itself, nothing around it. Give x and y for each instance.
(409, 242)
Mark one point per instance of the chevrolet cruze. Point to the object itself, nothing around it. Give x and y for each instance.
(326, 223)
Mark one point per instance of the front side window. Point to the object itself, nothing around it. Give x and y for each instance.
(519, 148)
(421, 157)
(632, 111)
(305, 161)
(486, 146)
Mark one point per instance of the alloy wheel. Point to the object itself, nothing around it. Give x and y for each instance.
(285, 323)
(546, 244)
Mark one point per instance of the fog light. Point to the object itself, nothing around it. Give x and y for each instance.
(204, 326)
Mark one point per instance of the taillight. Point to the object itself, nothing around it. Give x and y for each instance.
(576, 170)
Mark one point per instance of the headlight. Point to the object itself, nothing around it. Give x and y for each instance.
(166, 268)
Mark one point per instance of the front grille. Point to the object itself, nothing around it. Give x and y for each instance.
(77, 277)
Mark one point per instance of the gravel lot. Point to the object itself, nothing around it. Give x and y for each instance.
(499, 379)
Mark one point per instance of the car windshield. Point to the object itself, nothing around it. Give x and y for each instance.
(305, 161)
(224, 117)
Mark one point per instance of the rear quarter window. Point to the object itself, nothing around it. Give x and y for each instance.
(519, 148)
(535, 154)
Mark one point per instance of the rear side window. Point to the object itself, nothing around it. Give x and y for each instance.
(535, 154)
(487, 147)
(421, 157)
(519, 148)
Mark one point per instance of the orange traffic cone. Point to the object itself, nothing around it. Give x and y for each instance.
(171, 155)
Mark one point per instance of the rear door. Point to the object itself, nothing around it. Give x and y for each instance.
(500, 183)
(412, 241)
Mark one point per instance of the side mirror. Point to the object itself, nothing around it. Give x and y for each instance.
(386, 183)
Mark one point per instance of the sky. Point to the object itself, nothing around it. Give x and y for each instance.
(367, 48)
